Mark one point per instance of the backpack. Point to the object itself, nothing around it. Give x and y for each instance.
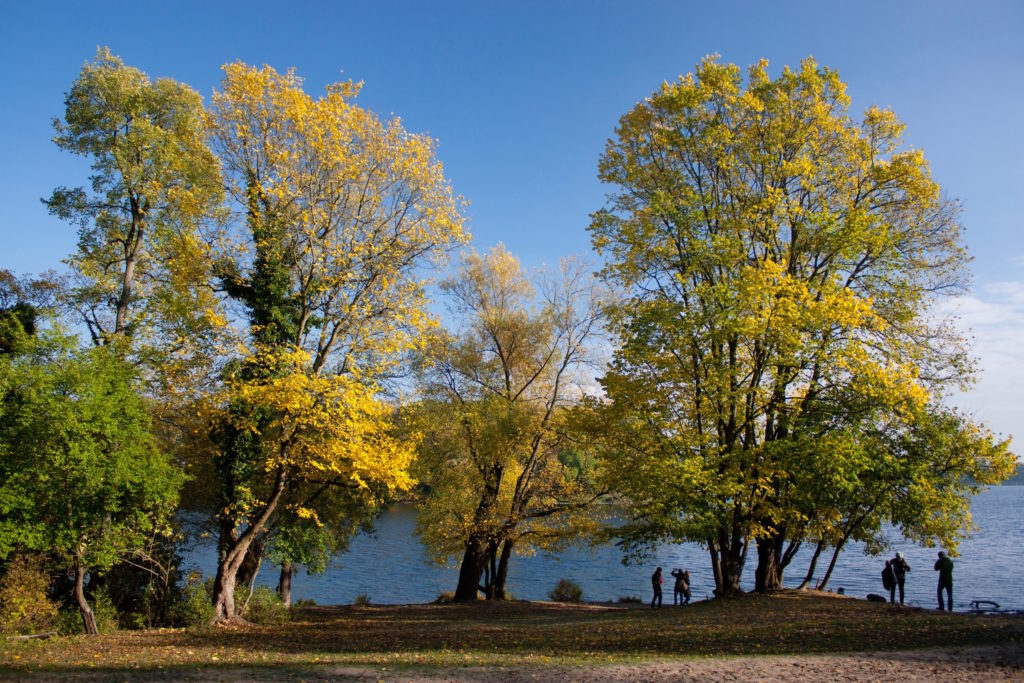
(888, 577)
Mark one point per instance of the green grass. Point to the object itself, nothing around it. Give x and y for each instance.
(521, 634)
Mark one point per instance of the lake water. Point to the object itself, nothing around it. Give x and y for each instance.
(389, 566)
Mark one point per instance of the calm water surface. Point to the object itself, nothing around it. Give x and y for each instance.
(390, 566)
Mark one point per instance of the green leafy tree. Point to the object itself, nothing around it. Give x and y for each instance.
(780, 262)
(141, 259)
(497, 393)
(80, 474)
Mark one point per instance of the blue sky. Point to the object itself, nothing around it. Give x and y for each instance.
(523, 95)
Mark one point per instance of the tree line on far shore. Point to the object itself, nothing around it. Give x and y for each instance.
(245, 333)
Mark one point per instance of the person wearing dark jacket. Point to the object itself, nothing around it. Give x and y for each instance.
(656, 582)
(944, 566)
(682, 587)
(899, 569)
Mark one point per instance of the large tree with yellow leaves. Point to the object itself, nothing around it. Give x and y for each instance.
(497, 390)
(337, 213)
(780, 262)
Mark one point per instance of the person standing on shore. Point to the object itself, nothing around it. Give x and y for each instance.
(656, 582)
(682, 587)
(944, 566)
(899, 569)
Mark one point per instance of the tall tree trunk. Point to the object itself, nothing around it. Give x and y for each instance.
(88, 618)
(132, 242)
(851, 526)
(811, 567)
(252, 561)
(477, 554)
(284, 585)
(716, 566)
(492, 569)
(831, 565)
(499, 582)
(474, 560)
(234, 556)
(732, 558)
(768, 575)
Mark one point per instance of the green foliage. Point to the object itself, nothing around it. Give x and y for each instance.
(629, 600)
(154, 180)
(265, 607)
(566, 591)
(80, 474)
(361, 600)
(777, 337)
(194, 608)
(25, 606)
(108, 619)
(69, 621)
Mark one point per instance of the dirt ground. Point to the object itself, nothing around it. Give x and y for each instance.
(995, 663)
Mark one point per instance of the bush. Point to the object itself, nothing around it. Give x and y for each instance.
(361, 600)
(24, 605)
(629, 600)
(265, 607)
(194, 609)
(69, 619)
(566, 591)
(444, 597)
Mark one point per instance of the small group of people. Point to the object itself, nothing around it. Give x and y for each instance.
(681, 594)
(895, 575)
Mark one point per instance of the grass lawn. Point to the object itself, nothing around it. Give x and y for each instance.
(520, 634)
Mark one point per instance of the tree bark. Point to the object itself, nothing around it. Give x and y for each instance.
(88, 618)
(478, 547)
(234, 556)
(732, 556)
(284, 585)
(474, 560)
(768, 575)
(131, 252)
(831, 565)
(716, 566)
(812, 566)
(502, 574)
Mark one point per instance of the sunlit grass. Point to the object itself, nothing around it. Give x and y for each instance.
(523, 634)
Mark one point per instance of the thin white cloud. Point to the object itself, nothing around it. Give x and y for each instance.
(993, 318)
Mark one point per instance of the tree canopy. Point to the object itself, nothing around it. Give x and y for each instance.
(80, 474)
(780, 262)
(336, 213)
(496, 396)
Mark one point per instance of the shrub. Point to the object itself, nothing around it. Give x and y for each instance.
(69, 619)
(265, 607)
(103, 608)
(444, 597)
(195, 606)
(566, 591)
(24, 605)
(629, 600)
(361, 600)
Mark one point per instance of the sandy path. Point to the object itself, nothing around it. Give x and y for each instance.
(995, 663)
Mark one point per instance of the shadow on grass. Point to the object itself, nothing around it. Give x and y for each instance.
(543, 634)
